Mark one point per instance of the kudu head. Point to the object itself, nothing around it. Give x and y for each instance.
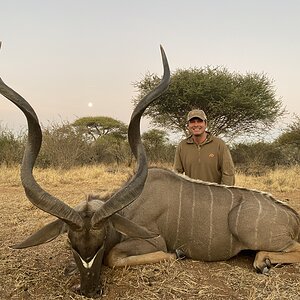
(89, 224)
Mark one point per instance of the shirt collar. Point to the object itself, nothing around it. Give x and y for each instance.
(209, 139)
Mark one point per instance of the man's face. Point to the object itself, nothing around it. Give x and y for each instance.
(197, 126)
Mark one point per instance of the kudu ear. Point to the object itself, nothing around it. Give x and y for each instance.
(46, 234)
(129, 228)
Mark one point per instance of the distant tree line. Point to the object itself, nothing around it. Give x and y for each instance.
(68, 145)
(235, 104)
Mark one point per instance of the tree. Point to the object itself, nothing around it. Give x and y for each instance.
(234, 103)
(111, 149)
(158, 146)
(291, 135)
(289, 141)
(100, 126)
(109, 137)
(11, 147)
(63, 147)
(256, 158)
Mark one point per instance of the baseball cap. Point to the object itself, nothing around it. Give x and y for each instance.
(196, 113)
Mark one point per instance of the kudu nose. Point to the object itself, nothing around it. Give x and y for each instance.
(97, 293)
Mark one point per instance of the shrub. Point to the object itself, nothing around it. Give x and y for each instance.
(63, 146)
(11, 148)
(256, 158)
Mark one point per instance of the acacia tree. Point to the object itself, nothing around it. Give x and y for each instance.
(234, 103)
(100, 126)
(109, 138)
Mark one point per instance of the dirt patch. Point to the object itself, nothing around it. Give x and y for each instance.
(38, 272)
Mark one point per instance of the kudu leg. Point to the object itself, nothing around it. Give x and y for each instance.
(290, 255)
(142, 259)
(138, 252)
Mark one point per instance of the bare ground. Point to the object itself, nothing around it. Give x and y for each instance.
(38, 273)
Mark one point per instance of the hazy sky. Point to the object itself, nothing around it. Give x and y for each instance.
(62, 55)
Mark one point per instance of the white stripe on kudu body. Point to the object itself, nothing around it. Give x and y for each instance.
(210, 221)
(257, 219)
(178, 215)
(231, 207)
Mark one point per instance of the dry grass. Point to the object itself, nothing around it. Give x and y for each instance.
(278, 180)
(37, 273)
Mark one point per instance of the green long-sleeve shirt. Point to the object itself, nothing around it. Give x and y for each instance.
(210, 161)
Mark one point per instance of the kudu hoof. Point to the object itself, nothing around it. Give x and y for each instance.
(265, 268)
(179, 254)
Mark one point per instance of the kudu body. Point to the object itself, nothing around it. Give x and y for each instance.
(154, 216)
(213, 222)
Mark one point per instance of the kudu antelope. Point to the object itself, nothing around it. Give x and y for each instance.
(159, 216)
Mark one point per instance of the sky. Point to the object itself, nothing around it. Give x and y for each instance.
(72, 59)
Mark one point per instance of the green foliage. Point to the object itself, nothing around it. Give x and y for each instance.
(11, 148)
(256, 158)
(65, 146)
(291, 135)
(158, 146)
(289, 141)
(100, 126)
(111, 149)
(234, 103)
(109, 138)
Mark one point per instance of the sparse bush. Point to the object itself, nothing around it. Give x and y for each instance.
(158, 147)
(63, 146)
(111, 149)
(11, 147)
(289, 142)
(256, 158)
